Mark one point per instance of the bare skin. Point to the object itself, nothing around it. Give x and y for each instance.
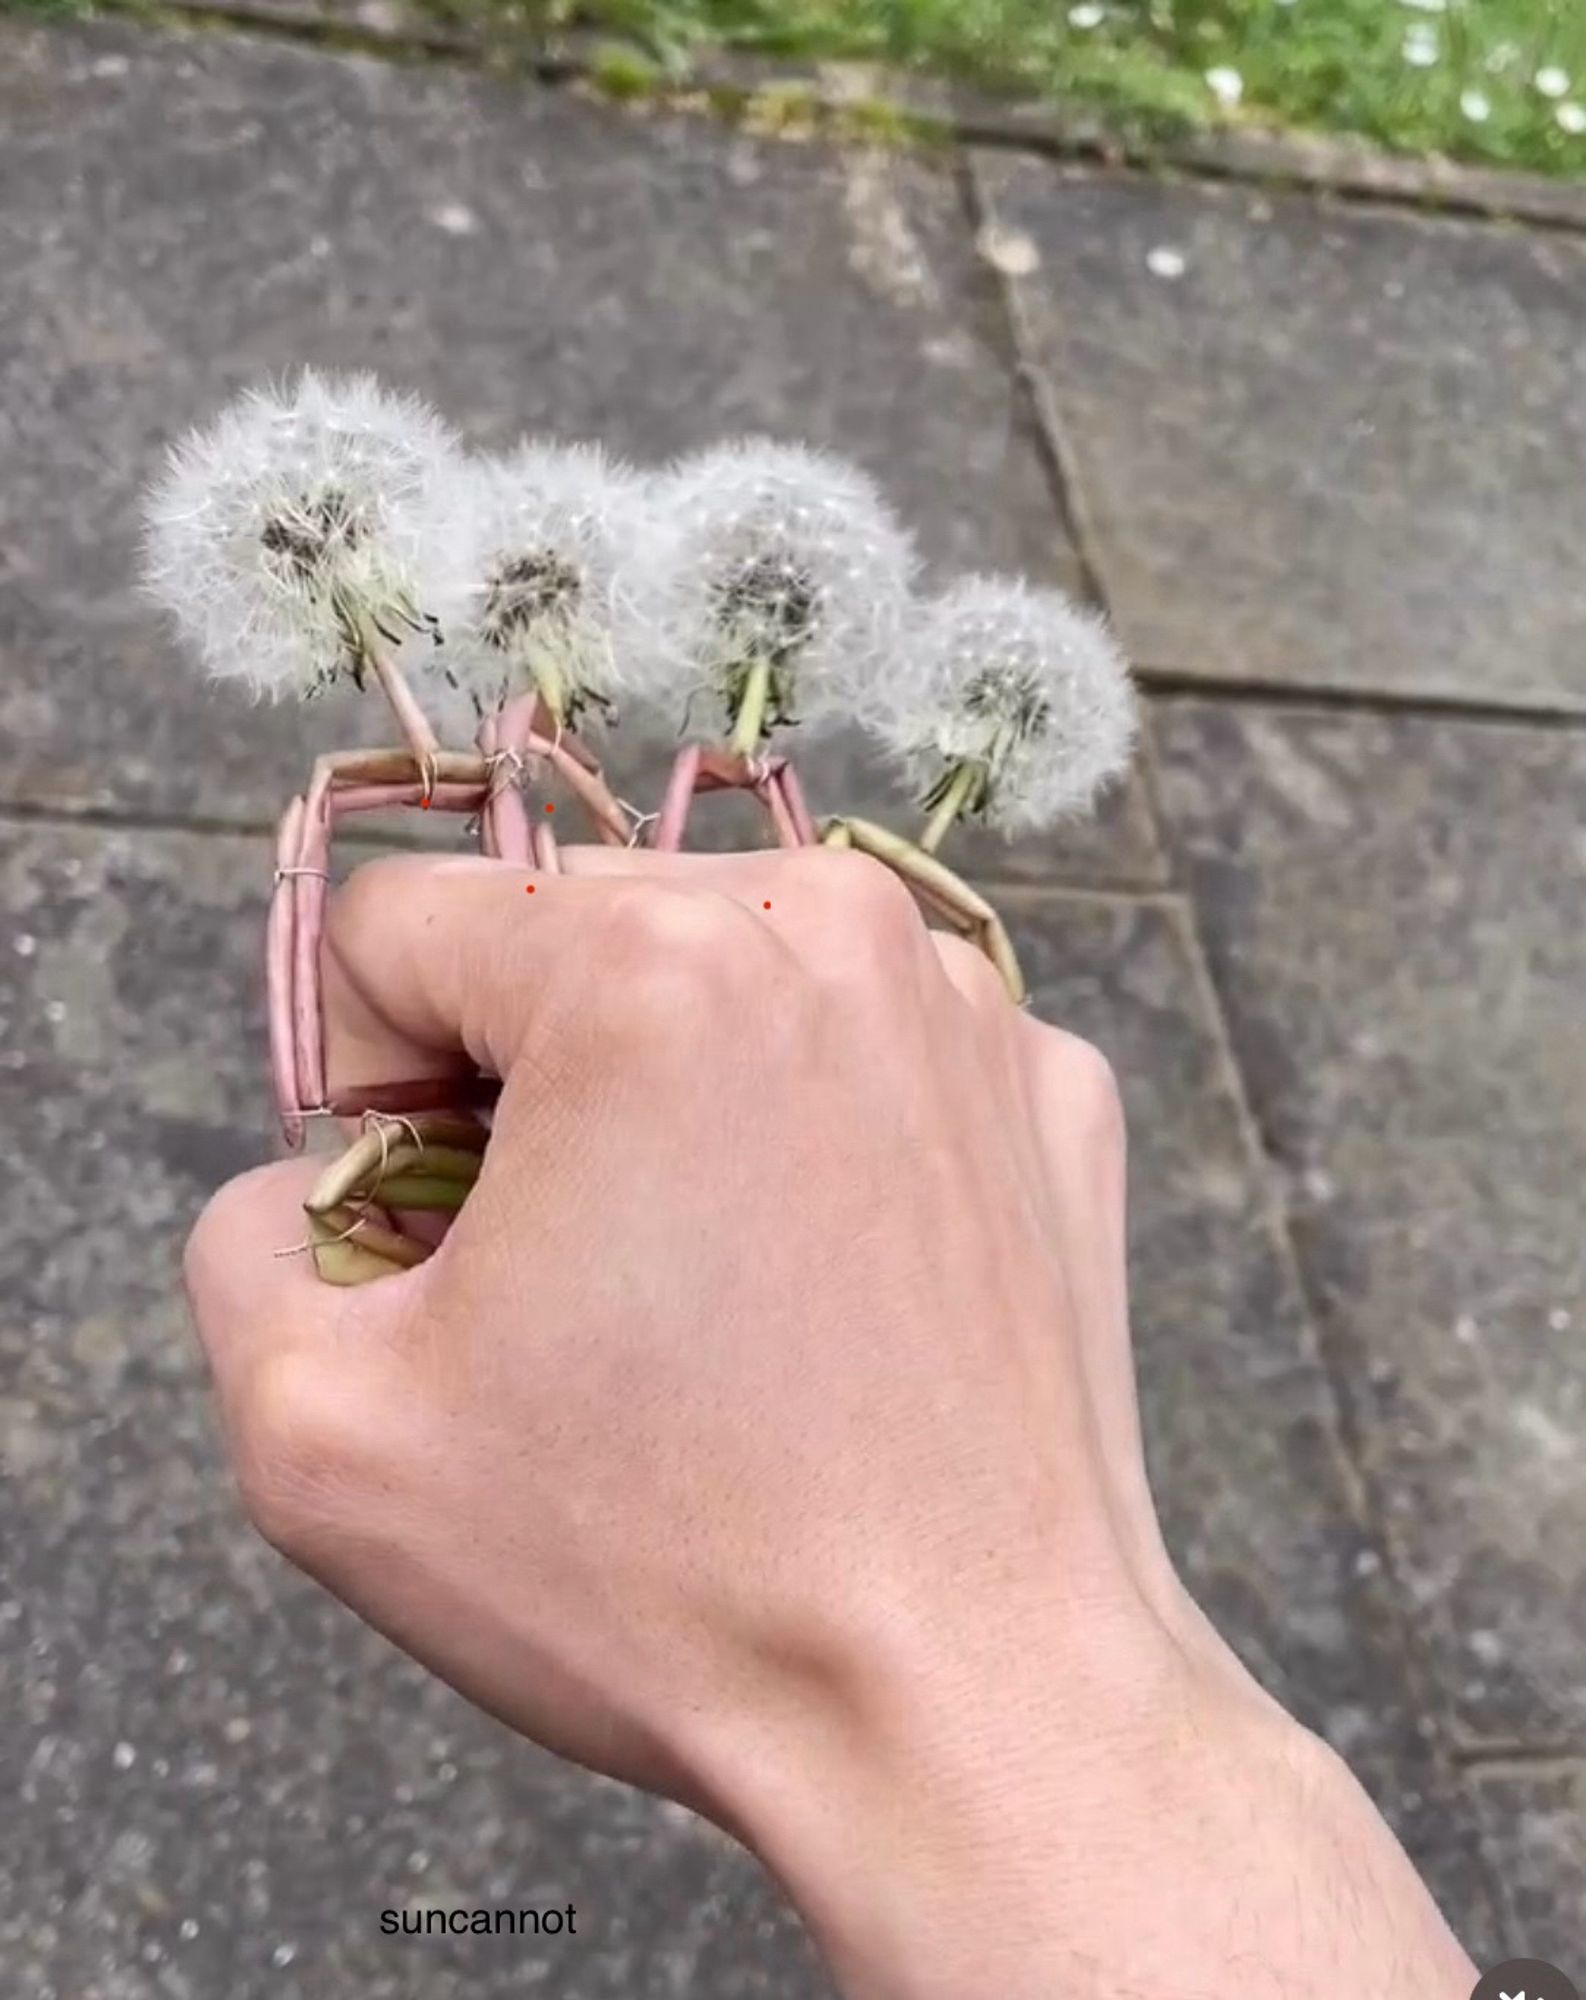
(765, 1434)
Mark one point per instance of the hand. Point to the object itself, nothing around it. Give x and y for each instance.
(764, 1431)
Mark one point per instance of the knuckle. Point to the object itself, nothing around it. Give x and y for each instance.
(864, 888)
(972, 972)
(366, 895)
(1091, 1090)
(669, 957)
(645, 922)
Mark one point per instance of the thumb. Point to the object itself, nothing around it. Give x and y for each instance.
(311, 1382)
(261, 1310)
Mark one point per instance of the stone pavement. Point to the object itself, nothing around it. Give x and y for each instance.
(1322, 464)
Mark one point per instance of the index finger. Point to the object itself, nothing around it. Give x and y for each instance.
(435, 964)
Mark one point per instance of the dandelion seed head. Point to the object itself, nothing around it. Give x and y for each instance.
(293, 527)
(777, 555)
(1226, 85)
(1086, 14)
(1476, 106)
(533, 584)
(1571, 118)
(1421, 47)
(1020, 683)
(1552, 81)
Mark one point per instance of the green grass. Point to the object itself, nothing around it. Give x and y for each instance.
(1326, 65)
(1500, 82)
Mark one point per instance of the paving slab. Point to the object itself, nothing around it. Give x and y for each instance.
(1543, 1811)
(201, 1738)
(1395, 912)
(183, 215)
(1317, 444)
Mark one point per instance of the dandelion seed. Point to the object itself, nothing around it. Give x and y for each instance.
(1571, 118)
(287, 540)
(1086, 15)
(1476, 106)
(1166, 262)
(529, 592)
(1426, 6)
(1012, 704)
(774, 586)
(1226, 85)
(1421, 47)
(1552, 81)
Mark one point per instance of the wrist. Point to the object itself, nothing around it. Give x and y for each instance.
(943, 1818)
(1089, 1811)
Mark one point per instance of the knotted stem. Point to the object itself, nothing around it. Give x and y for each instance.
(936, 884)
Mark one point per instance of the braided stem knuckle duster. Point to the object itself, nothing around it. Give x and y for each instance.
(332, 534)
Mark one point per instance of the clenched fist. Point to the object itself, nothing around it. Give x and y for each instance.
(763, 1432)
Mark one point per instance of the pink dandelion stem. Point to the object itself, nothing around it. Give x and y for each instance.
(798, 809)
(698, 768)
(425, 1093)
(278, 975)
(768, 790)
(505, 812)
(311, 883)
(486, 742)
(354, 781)
(524, 726)
(672, 819)
(346, 799)
(417, 731)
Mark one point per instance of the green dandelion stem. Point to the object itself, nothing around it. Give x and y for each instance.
(427, 1191)
(960, 792)
(552, 683)
(754, 701)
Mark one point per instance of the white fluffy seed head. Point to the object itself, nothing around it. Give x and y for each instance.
(772, 554)
(535, 581)
(292, 525)
(1022, 686)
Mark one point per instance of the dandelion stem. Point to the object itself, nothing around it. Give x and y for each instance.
(411, 719)
(338, 1229)
(550, 683)
(936, 884)
(959, 794)
(426, 1191)
(753, 701)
